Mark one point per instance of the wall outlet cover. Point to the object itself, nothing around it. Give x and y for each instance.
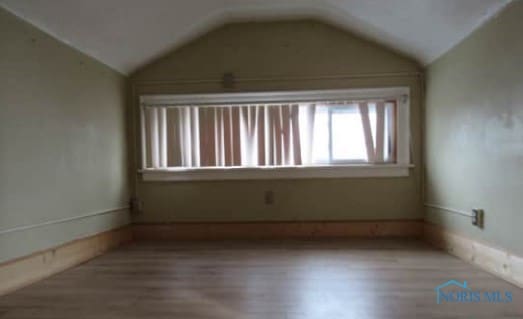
(478, 217)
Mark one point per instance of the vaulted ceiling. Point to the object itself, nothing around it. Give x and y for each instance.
(126, 34)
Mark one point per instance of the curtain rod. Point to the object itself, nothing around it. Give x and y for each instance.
(277, 97)
(239, 104)
(280, 79)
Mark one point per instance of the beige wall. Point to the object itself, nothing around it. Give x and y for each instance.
(474, 131)
(62, 141)
(281, 56)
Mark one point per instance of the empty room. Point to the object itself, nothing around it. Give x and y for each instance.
(290, 159)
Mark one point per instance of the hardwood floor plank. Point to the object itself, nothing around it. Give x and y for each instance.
(359, 278)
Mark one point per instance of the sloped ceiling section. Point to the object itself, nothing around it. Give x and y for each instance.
(126, 34)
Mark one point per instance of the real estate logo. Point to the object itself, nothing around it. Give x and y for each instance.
(454, 291)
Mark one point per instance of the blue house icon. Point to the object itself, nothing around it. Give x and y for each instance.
(451, 282)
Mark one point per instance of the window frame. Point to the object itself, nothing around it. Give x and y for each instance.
(337, 169)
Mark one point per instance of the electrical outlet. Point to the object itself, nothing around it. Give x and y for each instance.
(478, 217)
(269, 197)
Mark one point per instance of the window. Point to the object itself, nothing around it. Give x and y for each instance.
(244, 134)
(354, 132)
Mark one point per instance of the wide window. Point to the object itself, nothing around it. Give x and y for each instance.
(236, 135)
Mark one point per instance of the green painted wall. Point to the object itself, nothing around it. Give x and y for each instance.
(62, 141)
(474, 131)
(268, 56)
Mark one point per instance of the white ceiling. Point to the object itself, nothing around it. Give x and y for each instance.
(126, 34)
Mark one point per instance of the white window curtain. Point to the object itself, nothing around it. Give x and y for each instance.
(290, 134)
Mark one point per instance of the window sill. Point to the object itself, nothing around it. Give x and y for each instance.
(295, 172)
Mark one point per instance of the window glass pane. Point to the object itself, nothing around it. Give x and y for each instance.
(320, 148)
(348, 141)
(388, 146)
(372, 119)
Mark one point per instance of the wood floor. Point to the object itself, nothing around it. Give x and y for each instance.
(379, 278)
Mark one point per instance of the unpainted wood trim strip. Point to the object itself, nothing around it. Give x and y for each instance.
(272, 230)
(495, 260)
(23, 271)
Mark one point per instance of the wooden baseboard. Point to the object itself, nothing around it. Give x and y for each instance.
(23, 271)
(497, 261)
(20, 272)
(276, 230)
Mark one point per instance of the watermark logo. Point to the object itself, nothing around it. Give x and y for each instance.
(454, 291)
